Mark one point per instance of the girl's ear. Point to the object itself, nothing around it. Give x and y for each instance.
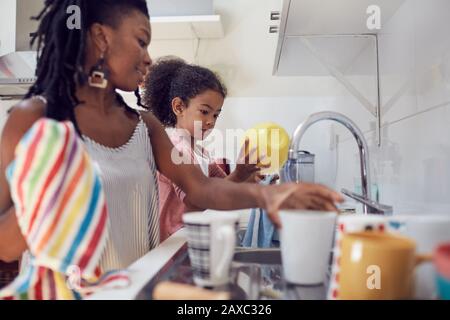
(177, 106)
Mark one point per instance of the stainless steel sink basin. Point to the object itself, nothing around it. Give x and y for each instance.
(258, 272)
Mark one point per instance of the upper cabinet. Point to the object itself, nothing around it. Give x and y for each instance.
(184, 20)
(309, 17)
(316, 35)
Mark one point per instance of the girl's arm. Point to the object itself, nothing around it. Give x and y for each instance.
(248, 165)
(221, 194)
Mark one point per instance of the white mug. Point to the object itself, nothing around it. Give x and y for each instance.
(428, 231)
(211, 244)
(306, 241)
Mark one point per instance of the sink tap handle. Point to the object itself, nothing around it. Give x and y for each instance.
(373, 206)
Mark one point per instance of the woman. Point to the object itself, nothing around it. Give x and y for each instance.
(78, 72)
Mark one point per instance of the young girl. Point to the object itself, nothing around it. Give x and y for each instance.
(188, 99)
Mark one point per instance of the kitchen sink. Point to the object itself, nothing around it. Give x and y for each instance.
(258, 272)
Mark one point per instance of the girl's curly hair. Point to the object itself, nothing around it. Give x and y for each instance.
(171, 77)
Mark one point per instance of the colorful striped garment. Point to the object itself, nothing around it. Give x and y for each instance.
(61, 210)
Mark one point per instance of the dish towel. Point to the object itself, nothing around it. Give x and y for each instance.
(61, 211)
(261, 232)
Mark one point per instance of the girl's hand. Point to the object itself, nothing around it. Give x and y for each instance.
(298, 196)
(248, 165)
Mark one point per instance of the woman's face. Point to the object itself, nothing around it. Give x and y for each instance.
(126, 56)
(201, 113)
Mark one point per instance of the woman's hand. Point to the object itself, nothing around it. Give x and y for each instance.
(298, 196)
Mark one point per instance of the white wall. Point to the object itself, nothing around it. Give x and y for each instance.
(7, 26)
(413, 166)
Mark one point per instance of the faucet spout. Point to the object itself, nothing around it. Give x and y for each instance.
(356, 132)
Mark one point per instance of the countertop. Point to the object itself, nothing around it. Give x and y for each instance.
(144, 269)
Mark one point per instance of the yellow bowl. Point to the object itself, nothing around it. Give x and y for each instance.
(270, 140)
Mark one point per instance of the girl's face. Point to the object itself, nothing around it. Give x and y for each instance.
(126, 54)
(200, 115)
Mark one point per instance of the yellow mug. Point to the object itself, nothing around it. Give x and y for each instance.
(271, 142)
(377, 266)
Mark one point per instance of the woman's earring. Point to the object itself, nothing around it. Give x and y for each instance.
(98, 76)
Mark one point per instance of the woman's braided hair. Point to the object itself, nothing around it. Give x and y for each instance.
(62, 51)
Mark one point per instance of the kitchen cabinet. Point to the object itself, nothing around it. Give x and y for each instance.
(340, 29)
(184, 20)
(337, 38)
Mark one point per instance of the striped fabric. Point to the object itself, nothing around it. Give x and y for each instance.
(128, 176)
(61, 210)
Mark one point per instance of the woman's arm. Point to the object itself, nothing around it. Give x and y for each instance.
(12, 243)
(22, 117)
(221, 194)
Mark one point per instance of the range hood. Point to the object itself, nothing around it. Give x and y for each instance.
(17, 57)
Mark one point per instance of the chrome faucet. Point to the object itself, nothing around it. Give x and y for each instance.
(369, 206)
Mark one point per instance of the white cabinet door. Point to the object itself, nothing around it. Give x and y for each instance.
(336, 29)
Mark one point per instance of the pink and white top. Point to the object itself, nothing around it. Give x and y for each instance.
(171, 197)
